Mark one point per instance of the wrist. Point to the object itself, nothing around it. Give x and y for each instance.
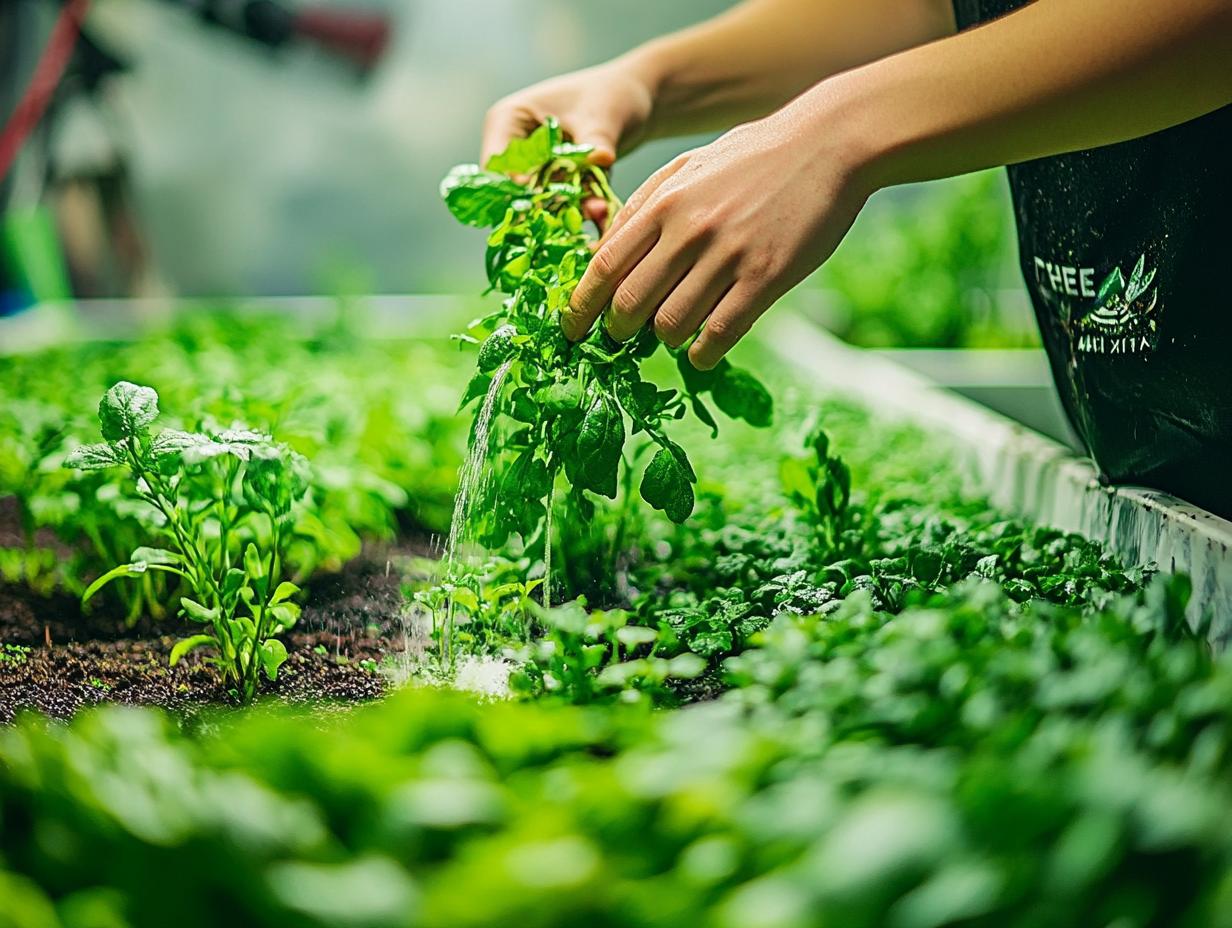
(646, 66)
(877, 128)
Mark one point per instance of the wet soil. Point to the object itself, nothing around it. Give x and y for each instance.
(57, 659)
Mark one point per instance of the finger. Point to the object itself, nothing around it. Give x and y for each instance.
(595, 209)
(693, 300)
(600, 137)
(603, 275)
(731, 320)
(500, 126)
(642, 194)
(645, 287)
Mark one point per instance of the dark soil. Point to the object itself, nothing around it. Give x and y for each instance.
(67, 660)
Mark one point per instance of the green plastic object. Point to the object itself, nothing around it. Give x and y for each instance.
(33, 260)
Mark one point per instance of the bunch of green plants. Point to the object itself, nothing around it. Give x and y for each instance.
(970, 760)
(29, 430)
(569, 408)
(587, 654)
(225, 500)
(774, 531)
(385, 459)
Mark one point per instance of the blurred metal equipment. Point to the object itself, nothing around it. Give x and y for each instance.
(67, 223)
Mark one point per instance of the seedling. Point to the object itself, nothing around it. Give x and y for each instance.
(225, 501)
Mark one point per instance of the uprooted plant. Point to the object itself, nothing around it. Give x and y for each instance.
(224, 501)
(569, 408)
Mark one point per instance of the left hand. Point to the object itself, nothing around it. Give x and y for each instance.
(717, 235)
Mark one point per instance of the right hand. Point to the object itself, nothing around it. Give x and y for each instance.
(607, 106)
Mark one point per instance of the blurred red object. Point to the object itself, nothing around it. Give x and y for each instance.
(357, 35)
(46, 77)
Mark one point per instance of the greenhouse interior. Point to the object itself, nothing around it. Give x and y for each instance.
(757, 464)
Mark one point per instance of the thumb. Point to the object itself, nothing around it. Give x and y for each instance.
(602, 139)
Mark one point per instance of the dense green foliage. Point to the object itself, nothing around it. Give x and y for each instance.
(567, 404)
(967, 761)
(374, 418)
(783, 526)
(914, 710)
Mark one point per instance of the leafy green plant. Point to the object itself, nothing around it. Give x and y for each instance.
(584, 655)
(821, 487)
(572, 407)
(225, 501)
(14, 653)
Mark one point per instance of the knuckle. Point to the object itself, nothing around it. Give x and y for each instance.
(700, 227)
(722, 329)
(603, 264)
(626, 300)
(664, 203)
(669, 329)
(758, 266)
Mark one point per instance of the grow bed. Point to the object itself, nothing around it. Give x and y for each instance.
(914, 710)
(357, 613)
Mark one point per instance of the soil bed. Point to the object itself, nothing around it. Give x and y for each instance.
(350, 617)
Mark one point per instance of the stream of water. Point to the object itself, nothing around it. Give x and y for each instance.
(472, 481)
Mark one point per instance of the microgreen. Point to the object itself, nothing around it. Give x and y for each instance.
(571, 408)
(225, 500)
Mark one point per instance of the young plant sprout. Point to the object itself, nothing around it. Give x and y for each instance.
(225, 499)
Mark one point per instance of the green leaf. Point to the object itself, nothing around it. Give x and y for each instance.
(477, 387)
(254, 564)
(497, 348)
(702, 411)
(525, 156)
(479, 198)
(273, 654)
(150, 556)
(285, 591)
(97, 456)
(285, 615)
(124, 570)
(667, 484)
(232, 583)
(686, 666)
(126, 410)
(632, 636)
(559, 396)
(1139, 280)
(172, 442)
(184, 645)
(197, 612)
(600, 441)
(1113, 285)
(742, 396)
(696, 381)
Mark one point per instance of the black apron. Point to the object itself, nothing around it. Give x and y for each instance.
(1127, 253)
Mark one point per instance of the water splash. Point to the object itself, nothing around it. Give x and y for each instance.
(547, 548)
(472, 481)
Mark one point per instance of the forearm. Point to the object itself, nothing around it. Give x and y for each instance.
(1053, 77)
(752, 59)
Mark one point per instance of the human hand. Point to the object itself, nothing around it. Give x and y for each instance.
(607, 107)
(719, 234)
